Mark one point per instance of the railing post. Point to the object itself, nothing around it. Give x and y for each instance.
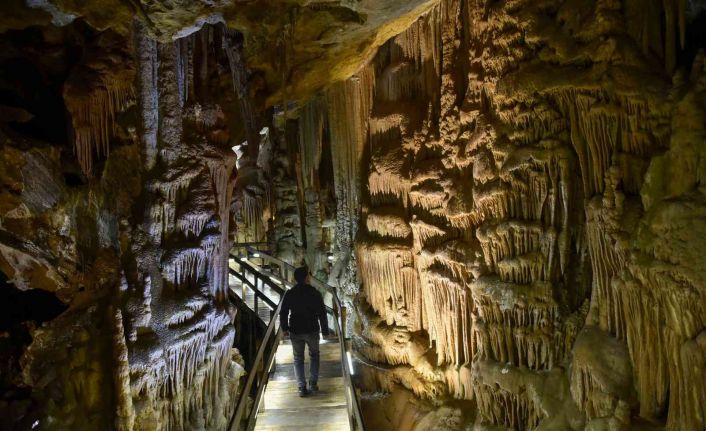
(255, 293)
(343, 324)
(242, 284)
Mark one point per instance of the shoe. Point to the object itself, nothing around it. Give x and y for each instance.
(314, 387)
(303, 392)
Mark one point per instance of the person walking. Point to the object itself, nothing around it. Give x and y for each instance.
(302, 317)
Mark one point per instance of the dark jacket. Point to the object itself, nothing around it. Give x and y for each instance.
(302, 311)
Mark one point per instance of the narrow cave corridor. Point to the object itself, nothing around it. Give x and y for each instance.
(501, 203)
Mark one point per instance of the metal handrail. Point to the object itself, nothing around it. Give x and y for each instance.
(272, 331)
(270, 303)
(355, 416)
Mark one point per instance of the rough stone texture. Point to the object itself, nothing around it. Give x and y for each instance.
(512, 193)
(520, 182)
(299, 49)
(127, 225)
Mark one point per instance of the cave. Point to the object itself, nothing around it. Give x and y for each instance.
(502, 203)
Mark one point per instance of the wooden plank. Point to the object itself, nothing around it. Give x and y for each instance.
(283, 395)
(320, 419)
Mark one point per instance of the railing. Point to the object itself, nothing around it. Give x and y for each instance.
(259, 370)
(266, 352)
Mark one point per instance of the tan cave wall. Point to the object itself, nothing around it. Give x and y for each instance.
(133, 153)
(519, 215)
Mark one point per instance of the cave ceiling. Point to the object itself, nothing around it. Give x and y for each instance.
(299, 46)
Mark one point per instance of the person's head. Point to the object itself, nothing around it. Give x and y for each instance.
(301, 275)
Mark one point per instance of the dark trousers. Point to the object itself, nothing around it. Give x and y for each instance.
(298, 342)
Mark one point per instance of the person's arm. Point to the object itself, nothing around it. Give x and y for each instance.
(284, 314)
(323, 317)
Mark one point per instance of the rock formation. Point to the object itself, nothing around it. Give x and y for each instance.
(509, 194)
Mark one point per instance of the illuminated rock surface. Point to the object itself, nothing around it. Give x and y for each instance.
(509, 194)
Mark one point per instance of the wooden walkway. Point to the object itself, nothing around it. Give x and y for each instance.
(283, 409)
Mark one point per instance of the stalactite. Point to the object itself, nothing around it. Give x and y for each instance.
(421, 44)
(390, 283)
(489, 180)
(253, 215)
(238, 71)
(426, 234)
(382, 184)
(194, 223)
(428, 197)
(507, 239)
(517, 324)
(688, 408)
(606, 261)
(185, 265)
(185, 75)
(349, 105)
(387, 378)
(170, 114)
(98, 88)
(311, 124)
(192, 307)
(314, 231)
(397, 81)
(388, 224)
(603, 126)
(444, 279)
(460, 382)
(93, 120)
(178, 372)
(443, 298)
(146, 54)
(388, 180)
(499, 406)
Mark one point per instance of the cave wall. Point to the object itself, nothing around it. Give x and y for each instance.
(132, 154)
(508, 193)
(519, 200)
(126, 219)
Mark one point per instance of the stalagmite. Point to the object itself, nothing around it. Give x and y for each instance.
(223, 184)
(125, 415)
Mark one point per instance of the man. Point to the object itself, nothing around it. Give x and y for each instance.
(302, 316)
